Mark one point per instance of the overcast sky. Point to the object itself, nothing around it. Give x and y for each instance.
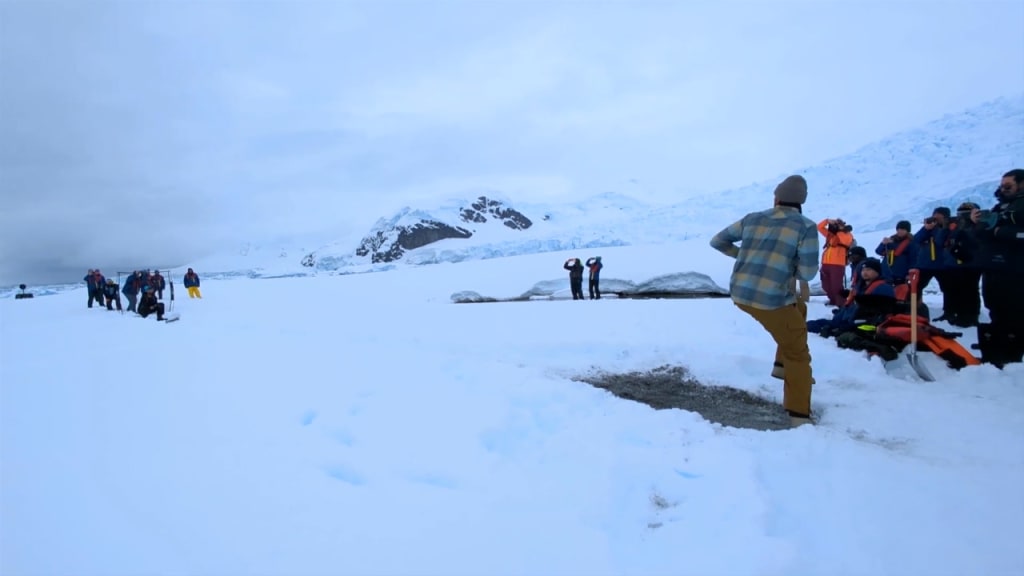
(140, 134)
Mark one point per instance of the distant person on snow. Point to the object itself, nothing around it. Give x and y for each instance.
(94, 283)
(156, 280)
(594, 265)
(778, 249)
(191, 282)
(575, 268)
(131, 289)
(148, 304)
(111, 293)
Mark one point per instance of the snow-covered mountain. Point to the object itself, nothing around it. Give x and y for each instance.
(955, 158)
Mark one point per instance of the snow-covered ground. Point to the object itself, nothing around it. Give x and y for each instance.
(364, 424)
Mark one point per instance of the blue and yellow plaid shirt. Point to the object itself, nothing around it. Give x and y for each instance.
(777, 247)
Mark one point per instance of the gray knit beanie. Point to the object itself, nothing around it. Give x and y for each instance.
(792, 190)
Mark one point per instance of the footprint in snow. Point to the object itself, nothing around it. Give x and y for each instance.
(434, 480)
(345, 474)
(308, 417)
(661, 506)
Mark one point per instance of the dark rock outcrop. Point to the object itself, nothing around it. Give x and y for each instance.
(483, 206)
(389, 240)
(389, 244)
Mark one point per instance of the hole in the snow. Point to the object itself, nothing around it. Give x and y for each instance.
(674, 387)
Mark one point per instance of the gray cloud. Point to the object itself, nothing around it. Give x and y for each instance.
(151, 133)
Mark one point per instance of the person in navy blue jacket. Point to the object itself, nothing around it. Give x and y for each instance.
(871, 297)
(897, 253)
(931, 260)
(191, 282)
(131, 289)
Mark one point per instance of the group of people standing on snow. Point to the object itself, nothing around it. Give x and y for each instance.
(150, 284)
(575, 268)
(778, 255)
(954, 250)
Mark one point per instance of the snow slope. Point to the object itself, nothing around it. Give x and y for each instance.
(955, 158)
(362, 424)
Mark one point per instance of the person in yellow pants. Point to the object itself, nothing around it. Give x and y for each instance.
(191, 281)
(776, 258)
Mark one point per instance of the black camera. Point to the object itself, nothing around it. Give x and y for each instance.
(929, 220)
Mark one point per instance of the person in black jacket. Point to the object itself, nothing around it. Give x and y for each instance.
(575, 268)
(962, 270)
(148, 304)
(1000, 235)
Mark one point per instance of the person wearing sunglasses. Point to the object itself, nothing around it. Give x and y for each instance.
(1000, 232)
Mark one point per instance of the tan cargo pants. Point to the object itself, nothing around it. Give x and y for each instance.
(788, 327)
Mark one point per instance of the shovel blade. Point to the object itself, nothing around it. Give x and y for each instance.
(919, 367)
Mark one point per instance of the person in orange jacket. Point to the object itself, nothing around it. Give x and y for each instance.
(838, 241)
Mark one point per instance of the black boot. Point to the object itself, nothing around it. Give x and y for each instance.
(966, 320)
(999, 347)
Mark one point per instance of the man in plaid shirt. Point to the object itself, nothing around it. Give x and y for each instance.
(778, 247)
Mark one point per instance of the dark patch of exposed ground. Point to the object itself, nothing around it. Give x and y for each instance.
(674, 387)
(619, 295)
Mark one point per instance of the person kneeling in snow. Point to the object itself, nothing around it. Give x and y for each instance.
(111, 293)
(872, 297)
(149, 304)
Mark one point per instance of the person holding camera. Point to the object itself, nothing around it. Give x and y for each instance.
(897, 253)
(930, 240)
(575, 268)
(834, 257)
(1000, 235)
(594, 285)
